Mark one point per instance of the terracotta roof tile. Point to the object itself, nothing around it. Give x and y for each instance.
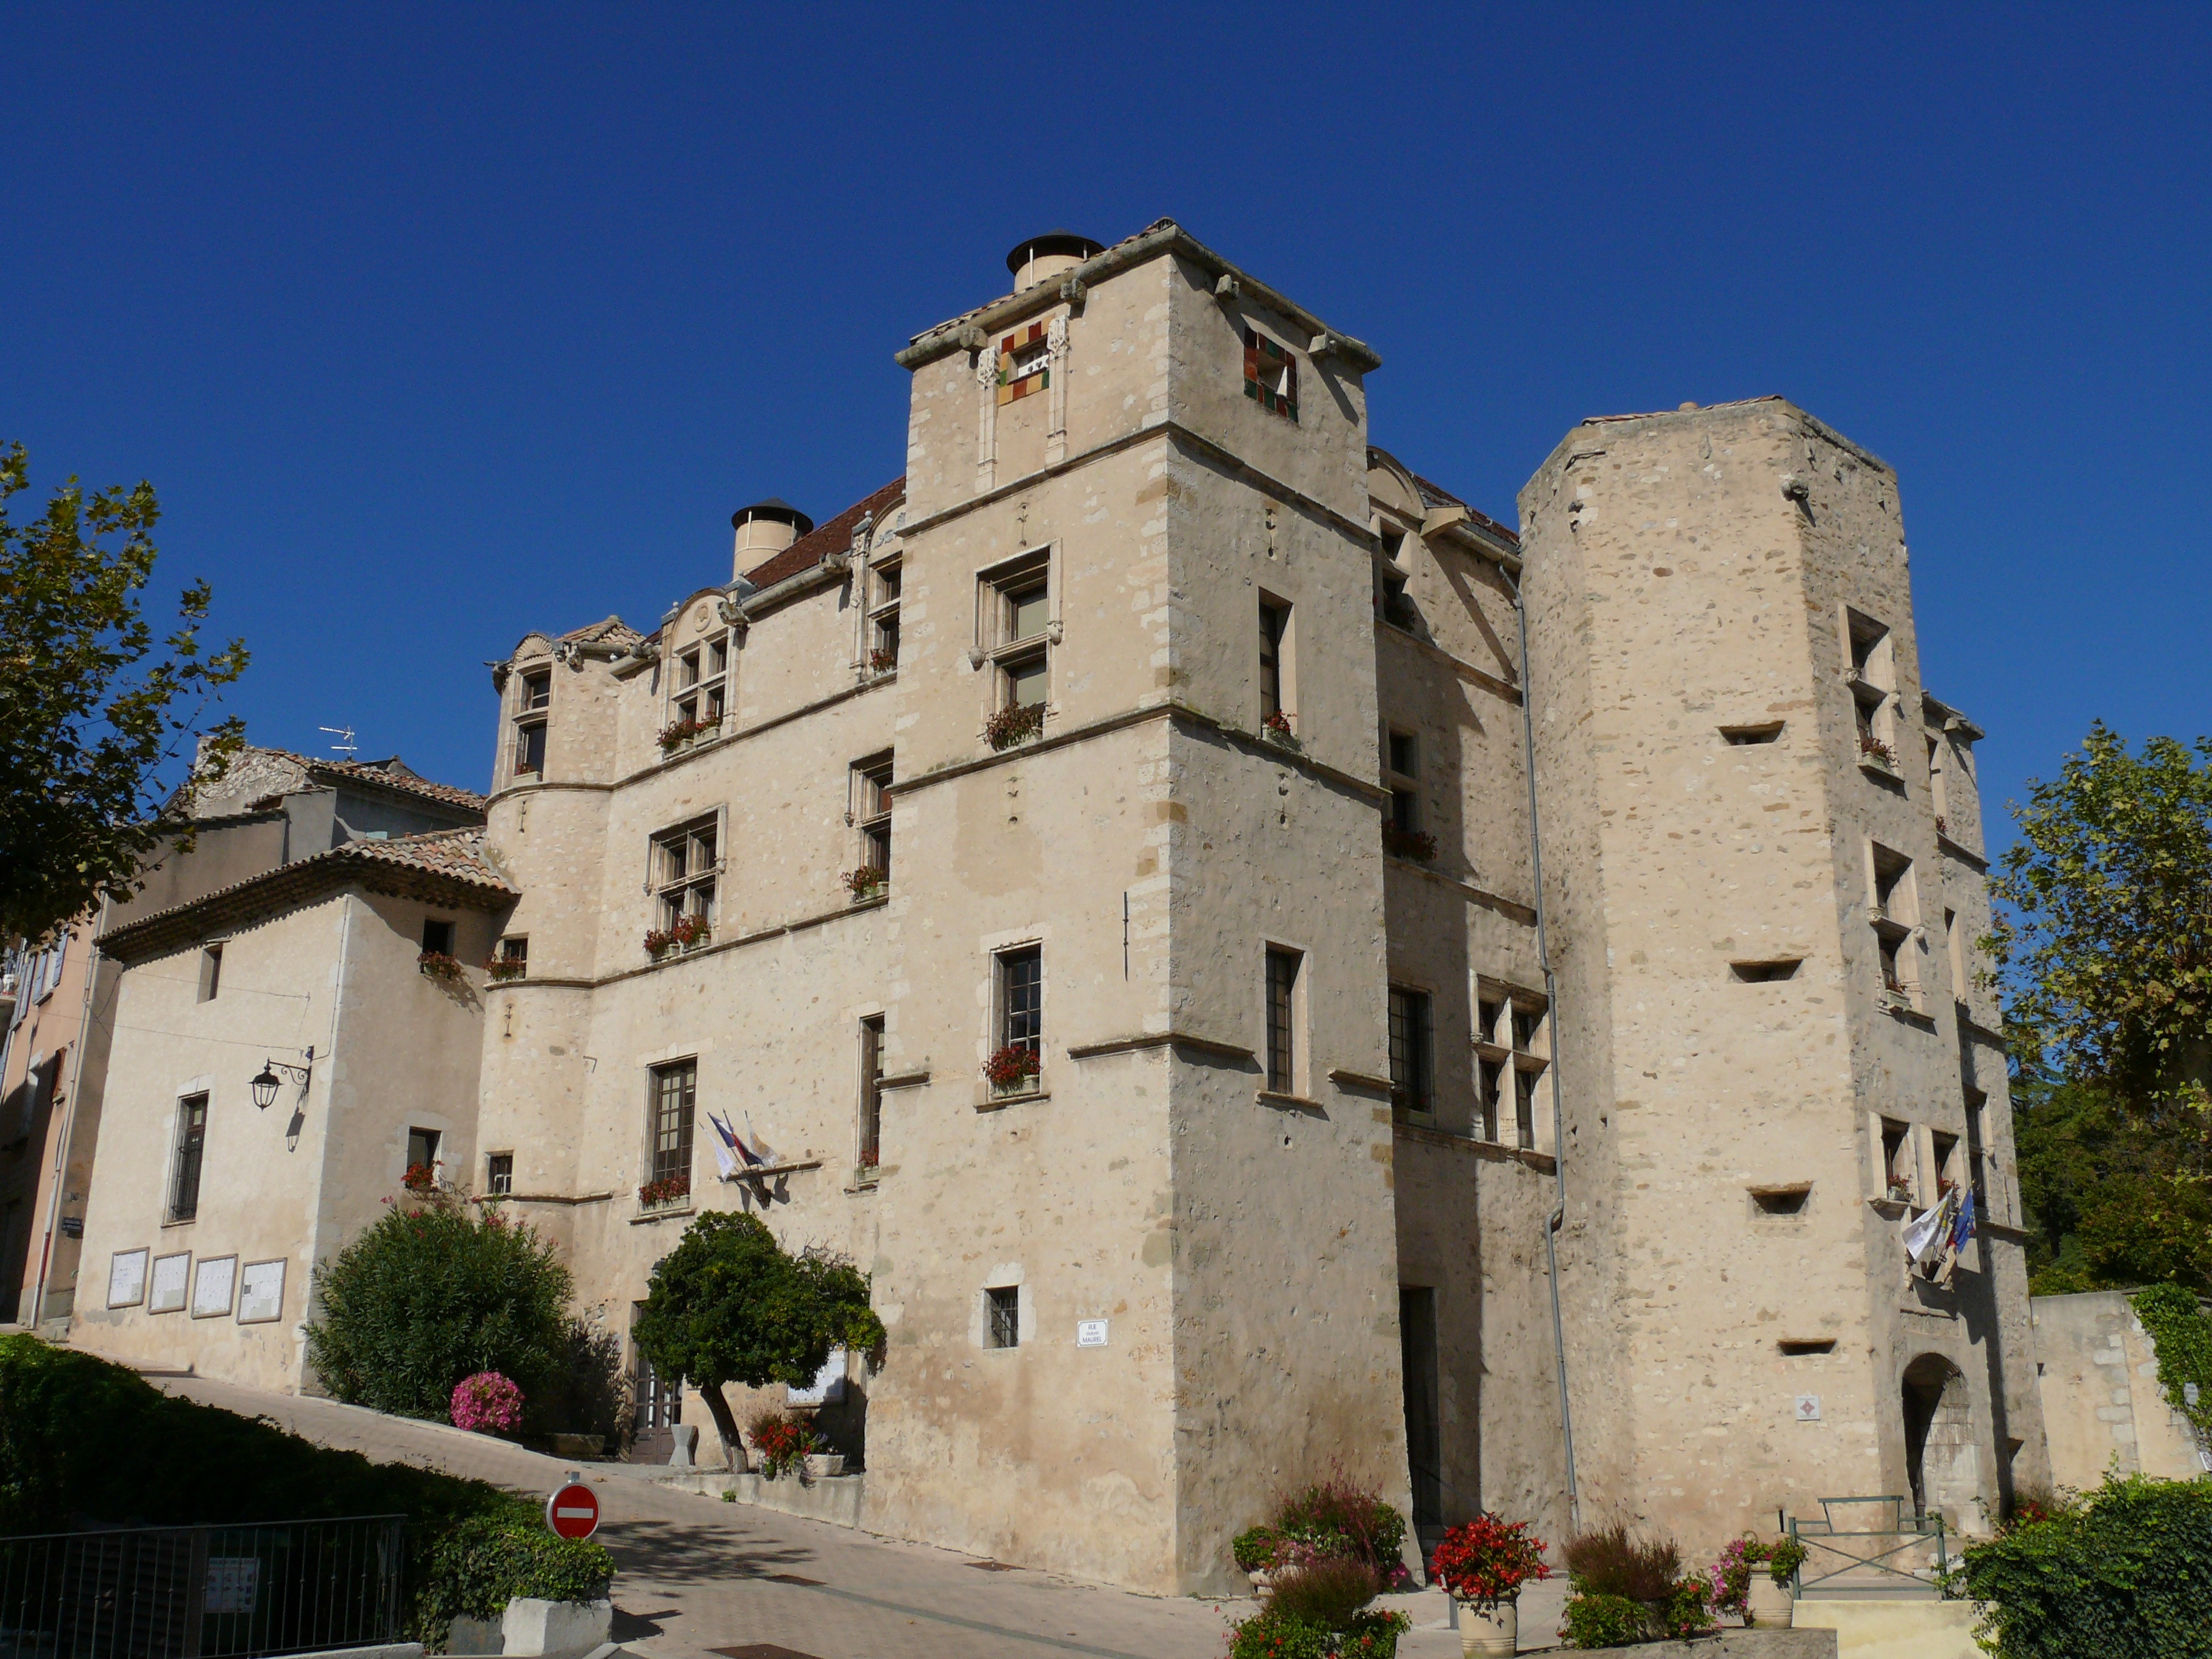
(446, 865)
(373, 773)
(835, 537)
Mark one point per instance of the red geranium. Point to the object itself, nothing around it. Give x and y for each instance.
(1487, 1560)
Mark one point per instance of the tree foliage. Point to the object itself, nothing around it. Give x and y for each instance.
(433, 1294)
(729, 1304)
(2107, 950)
(91, 709)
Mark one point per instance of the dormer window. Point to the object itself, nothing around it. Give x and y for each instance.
(700, 693)
(1271, 375)
(1025, 362)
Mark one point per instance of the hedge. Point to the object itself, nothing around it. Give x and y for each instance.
(2124, 1574)
(83, 1441)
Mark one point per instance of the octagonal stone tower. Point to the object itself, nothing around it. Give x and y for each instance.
(1763, 856)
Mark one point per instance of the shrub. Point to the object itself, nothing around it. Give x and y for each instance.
(2182, 1332)
(161, 1460)
(430, 1294)
(1614, 1561)
(1278, 1635)
(1599, 1621)
(1487, 1560)
(1328, 1590)
(1254, 1547)
(487, 1402)
(2124, 1574)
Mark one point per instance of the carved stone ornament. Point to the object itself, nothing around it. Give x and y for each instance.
(1056, 338)
(501, 673)
(727, 609)
(986, 368)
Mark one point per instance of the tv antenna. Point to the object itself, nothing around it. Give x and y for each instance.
(345, 745)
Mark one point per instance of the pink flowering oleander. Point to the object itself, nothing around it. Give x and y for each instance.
(487, 1402)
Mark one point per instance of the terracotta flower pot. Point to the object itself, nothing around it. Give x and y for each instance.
(1768, 1606)
(1493, 1634)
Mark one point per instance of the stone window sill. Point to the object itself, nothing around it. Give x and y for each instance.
(1289, 1103)
(670, 1213)
(992, 1102)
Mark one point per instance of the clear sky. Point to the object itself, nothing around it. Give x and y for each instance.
(434, 325)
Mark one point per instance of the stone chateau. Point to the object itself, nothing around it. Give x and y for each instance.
(1096, 876)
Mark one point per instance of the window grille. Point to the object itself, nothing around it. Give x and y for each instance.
(1003, 1306)
(1410, 1089)
(191, 1146)
(1282, 996)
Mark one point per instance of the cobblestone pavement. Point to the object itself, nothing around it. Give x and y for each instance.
(696, 1574)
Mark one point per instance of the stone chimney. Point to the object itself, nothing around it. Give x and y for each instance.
(764, 530)
(1043, 257)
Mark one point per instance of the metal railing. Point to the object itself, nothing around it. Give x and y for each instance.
(202, 1592)
(1869, 1546)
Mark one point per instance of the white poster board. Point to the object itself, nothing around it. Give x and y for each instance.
(171, 1274)
(829, 1387)
(213, 1280)
(126, 1279)
(261, 1293)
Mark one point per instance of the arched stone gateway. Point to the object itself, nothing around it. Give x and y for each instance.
(1942, 1452)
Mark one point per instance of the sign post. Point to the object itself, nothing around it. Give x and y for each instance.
(572, 1510)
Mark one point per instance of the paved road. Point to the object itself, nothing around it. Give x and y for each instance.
(696, 1574)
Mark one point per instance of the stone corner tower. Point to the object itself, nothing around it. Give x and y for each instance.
(1762, 856)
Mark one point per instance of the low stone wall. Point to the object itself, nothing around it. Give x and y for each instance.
(1748, 1644)
(834, 1498)
(1869, 1628)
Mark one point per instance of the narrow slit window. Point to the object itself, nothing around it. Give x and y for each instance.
(186, 1162)
(1799, 1348)
(1410, 1090)
(1274, 630)
(211, 972)
(1271, 375)
(872, 1097)
(1282, 1031)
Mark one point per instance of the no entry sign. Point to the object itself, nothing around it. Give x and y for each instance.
(572, 1510)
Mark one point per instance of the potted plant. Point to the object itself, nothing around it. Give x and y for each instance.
(1874, 751)
(501, 970)
(881, 661)
(446, 969)
(1013, 725)
(420, 1178)
(1483, 1563)
(1752, 1577)
(1276, 729)
(780, 1443)
(1012, 1068)
(1254, 1550)
(668, 1190)
(866, 883)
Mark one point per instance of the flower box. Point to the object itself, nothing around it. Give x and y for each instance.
(688, 933)
(668, 1190)
(1874, 752)
(1012, 726)
(1417, 845)
(882, 662)
(1012, 1069)
(441, 967)
(866, 883)
(501, 970)
(678, 734)
(1276, 729)
(421, 1179)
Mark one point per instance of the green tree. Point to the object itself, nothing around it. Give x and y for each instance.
(89, 713)
(2107, 950)
(729, 1304)
(432, 1294)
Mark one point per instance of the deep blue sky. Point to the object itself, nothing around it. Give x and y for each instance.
(435, 324)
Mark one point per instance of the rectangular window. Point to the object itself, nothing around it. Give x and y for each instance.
(499, 1174)
(1271, 375)
(1897, 1164)
(702, 677)
(684, 873)
(513, 958)
(1021, 999)
(1003, 1305)
(1409, 1051)
(1014, 628)
(1492, 1083)
(185, 1166)
(1274, 630)
(1487, 1012)
(675, 1091)
(530, 749)
(872, 813)
(211, 972)
(1524, 1107)
(872, 1097)
(1025, 362)
(1895, 912)
(1282, 1020)
(537, 692)
(422, 1149)
(437, 936)
(1872, 679)
(1978, 1151)
(882, 629)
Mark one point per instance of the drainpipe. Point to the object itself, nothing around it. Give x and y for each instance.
(1559, 1216)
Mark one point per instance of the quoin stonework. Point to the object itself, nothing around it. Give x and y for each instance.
(1094, 880)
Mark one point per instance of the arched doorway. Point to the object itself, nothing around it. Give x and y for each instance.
(1942, 1453)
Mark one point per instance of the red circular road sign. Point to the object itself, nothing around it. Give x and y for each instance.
(572, 1510)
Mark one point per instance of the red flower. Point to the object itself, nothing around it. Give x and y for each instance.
(1487, 1560)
